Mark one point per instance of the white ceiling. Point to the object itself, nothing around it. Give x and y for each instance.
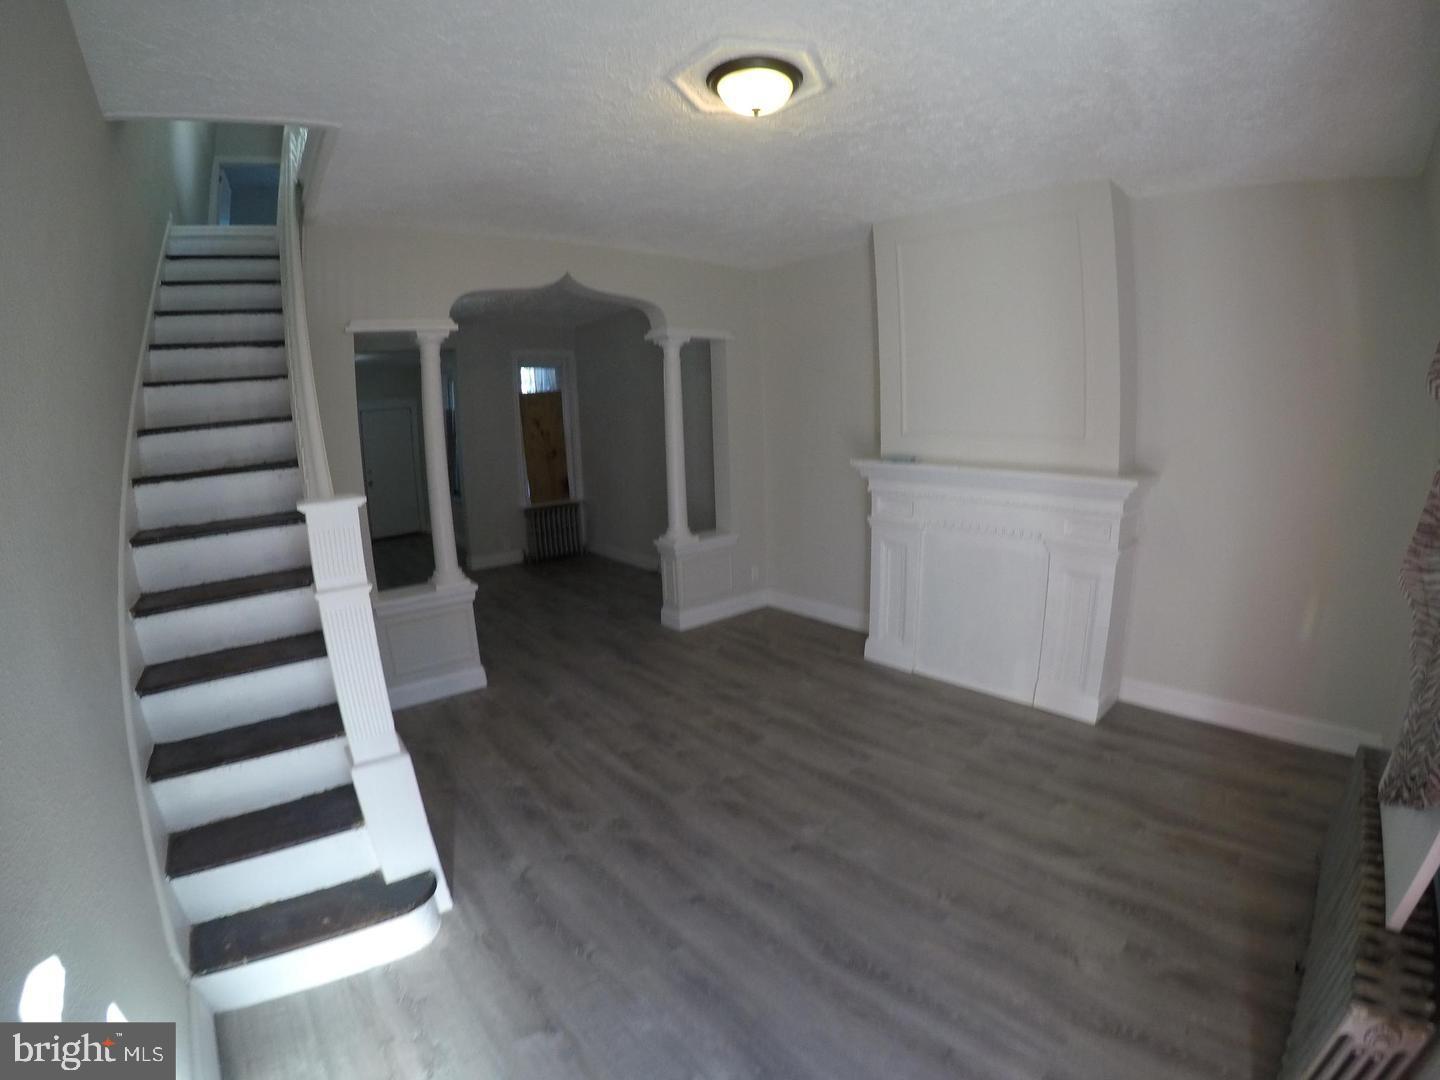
(556, 117)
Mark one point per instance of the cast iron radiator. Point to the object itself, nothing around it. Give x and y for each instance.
(554, 530)
(1366, 1008)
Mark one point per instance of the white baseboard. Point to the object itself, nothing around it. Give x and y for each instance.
(417, 691)
(712, 612)
(639, 559)
(819, 610)
(492, 560)
(1255, 719)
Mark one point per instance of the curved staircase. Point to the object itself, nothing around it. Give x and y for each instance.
(270, 856)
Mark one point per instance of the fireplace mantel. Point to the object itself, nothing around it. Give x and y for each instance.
(1014, 582)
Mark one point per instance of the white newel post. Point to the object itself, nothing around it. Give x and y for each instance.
(437, 469)
(678, 531)
(381, 770)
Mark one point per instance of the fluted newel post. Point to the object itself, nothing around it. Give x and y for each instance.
(381, 770)
(678, 530)
(437, 469)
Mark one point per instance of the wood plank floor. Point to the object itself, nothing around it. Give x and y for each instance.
(742, 852)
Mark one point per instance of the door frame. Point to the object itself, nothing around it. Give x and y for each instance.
(563, 359)
(417, 456)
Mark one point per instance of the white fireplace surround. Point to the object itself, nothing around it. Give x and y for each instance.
(1007, 581)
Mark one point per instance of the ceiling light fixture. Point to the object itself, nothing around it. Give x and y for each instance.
(754, 86)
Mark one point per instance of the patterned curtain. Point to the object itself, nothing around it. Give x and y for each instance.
(1412, 777)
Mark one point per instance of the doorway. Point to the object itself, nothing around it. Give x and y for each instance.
(390, 449)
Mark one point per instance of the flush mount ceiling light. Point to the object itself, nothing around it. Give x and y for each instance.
(754, 86)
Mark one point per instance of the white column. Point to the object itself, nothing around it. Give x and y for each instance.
(679, 521)
(437, 471)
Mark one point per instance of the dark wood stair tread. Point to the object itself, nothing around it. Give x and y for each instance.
(226, 470)
(165, 534)
(291, 924)
(261, 344)
(214, 425)
(215, 379)
(225, 256)
(234, 745)
(221, 311)
(241, 660)
(215, 592)
(263, 831)
(223, 281)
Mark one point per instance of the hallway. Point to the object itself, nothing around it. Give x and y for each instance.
(743, 852)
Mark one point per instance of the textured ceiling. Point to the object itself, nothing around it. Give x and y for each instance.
(558, 118)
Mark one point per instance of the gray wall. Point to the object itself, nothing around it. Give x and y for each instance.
(1284, 333)
(622, 426)
(1284, 336)
(82, 209)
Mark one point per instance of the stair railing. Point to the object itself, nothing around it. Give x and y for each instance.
(381, 770)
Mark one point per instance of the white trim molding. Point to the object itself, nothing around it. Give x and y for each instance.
(819, 610)
(715, 611)
(696, 578)
(427, 642)
(1254, 719)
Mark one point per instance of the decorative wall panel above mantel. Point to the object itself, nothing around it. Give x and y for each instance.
(1006, 334)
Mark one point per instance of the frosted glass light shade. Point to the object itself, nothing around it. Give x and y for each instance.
(754, 86)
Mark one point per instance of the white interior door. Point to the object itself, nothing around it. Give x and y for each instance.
(392, 472)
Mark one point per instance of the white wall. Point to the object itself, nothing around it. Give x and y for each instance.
(821, 410)
(248, 141)
(355, 272)
(82, 210)
(622, 422)
(1284, 336)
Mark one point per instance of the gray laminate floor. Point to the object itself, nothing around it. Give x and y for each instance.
(743, 852)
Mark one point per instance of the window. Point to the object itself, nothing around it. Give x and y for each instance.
(539, 380)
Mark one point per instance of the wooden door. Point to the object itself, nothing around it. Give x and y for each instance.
(542, 427)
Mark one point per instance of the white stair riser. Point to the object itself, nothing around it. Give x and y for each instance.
(187, 329)
(205, 403)
(276, 875)
(206, 498)
(316, 965)
(217, 297)
(216, 362)
(222, 240)
(215, 448)
(240, 699)
(259, 269)
(202, 797)
(212, 627)
(218, 558)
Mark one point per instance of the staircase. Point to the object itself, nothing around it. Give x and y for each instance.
(269, 856)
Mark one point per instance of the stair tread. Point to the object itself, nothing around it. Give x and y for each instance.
(223, 470)
(225, 255)
(225, 663)
(215, 592)
(220, 311)
(175, 429)
(260, 344)
(286, 925)
(220, 281)
(234, 745)
(260, 832)
(216, 379)
(167, 533)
